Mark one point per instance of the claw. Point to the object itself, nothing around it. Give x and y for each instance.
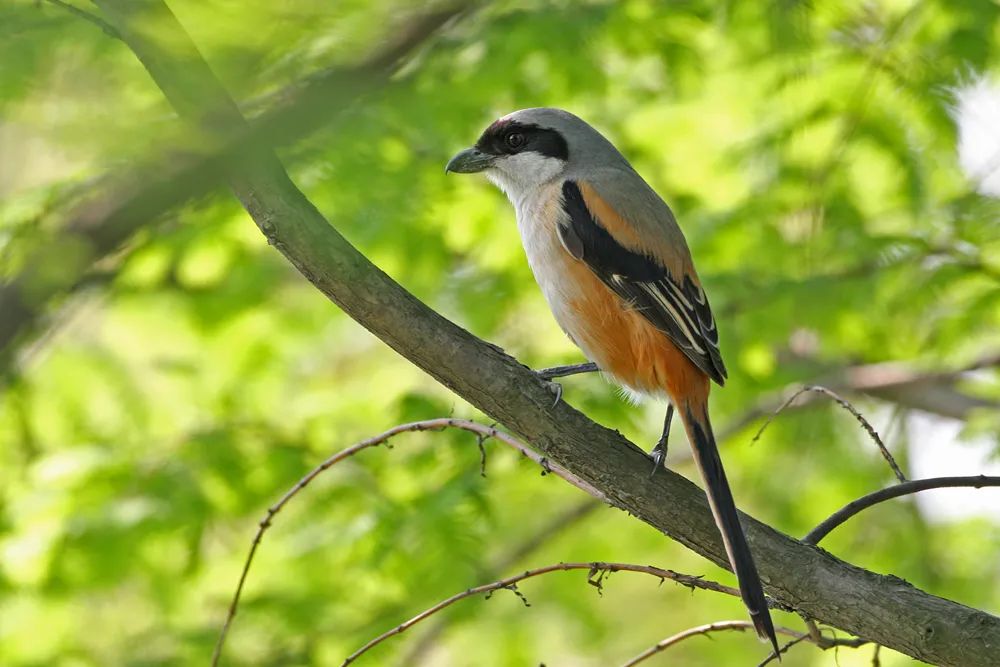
(546, 375)
(658, 455)
(556, 389)
(659, 452)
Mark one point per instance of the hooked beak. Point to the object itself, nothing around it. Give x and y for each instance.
(469, 161)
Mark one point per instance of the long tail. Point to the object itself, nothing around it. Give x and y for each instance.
(720, 498)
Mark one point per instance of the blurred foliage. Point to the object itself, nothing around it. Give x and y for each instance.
(808, 151)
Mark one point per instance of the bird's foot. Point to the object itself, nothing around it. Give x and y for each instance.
(554, 387)
(659, 455)
(547, 375)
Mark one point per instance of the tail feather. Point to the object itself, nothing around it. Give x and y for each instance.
(720, 499)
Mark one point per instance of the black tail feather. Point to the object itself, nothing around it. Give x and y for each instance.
(720, 498)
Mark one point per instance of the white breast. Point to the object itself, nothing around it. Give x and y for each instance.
(538, 215)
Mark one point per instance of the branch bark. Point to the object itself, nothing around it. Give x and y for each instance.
(883, 609)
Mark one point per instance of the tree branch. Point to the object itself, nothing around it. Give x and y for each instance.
(866, 604)
(901, 489)
(822, 641)
(597, 571)
(783, 649)
(94, 226)
(483, 432)
(844, 403)
(930, 391)
(813, 635)
(555, 525)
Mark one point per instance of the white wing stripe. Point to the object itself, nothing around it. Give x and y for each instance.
(680, 319)
(677, 293)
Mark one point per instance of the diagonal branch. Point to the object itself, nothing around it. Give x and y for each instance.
(127, 200)
(881, 609)
(555, 525)
(844, 403)
(597, 571)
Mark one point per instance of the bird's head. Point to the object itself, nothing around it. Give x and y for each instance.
(529, 148)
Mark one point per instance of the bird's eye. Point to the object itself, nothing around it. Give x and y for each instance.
(514, 140)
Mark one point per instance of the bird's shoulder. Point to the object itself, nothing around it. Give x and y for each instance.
(635, 216)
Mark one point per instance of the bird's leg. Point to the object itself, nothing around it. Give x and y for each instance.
(659, 453)
(546, 375)
(563, 371)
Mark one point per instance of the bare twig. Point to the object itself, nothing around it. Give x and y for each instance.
(553, 527)
(820, 640)
(931, 391)
(783, 649)
(597, 571)
(739, 626)
(901, 489)
(481, 430)
(94, 19)
(844, 403)
(856, 506)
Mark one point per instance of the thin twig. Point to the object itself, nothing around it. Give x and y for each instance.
(844, 403)
(739, 626)
(783, 649)
(481, 443)
(882, 380)
(597, 571)
(820, 641)
(902, 489)
(94, 19)
(550, 529)
(480, 430)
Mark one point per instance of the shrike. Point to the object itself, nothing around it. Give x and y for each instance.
(618, 276)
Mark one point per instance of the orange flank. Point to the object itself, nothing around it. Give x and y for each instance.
(625, 344)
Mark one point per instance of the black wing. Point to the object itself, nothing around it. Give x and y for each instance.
(673, 304)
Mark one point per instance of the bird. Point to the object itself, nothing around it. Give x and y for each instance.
(617, 274)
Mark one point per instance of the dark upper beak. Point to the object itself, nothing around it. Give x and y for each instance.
(469, 161)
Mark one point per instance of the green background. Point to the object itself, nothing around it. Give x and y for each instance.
(808, 151)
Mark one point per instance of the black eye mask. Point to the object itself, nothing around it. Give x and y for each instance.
(546, 142)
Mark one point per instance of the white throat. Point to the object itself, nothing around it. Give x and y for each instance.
(522, 174)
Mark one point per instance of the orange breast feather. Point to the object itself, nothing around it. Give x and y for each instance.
(623, 343)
